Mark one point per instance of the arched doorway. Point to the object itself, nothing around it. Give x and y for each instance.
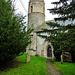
(49, 51)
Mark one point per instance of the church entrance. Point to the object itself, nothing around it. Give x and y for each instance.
(49, 52)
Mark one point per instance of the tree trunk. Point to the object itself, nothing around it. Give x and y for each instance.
(73, 56)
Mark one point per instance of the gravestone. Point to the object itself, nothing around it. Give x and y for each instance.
(61, 59)
(28, 58)
(66, 56)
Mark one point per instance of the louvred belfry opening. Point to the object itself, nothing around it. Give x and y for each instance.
(31, 9)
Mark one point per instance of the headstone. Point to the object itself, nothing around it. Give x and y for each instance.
(61, 59)
(28, 58)
(66, 56)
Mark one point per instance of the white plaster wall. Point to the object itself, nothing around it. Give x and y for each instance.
(39, 45)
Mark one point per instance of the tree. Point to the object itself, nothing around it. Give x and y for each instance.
(61, 36)
(55, 36)
(13, 35)
(66, 10)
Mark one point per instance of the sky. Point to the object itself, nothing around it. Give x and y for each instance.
(21, 6)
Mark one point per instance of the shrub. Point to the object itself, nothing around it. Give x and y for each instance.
(13, 35)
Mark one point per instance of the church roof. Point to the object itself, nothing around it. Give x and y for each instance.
(42, 26)
(45, 26)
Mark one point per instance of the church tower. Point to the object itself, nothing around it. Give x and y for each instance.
(36, 13)
(36, 20)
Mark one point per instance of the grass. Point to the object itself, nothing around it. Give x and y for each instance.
(37, 66)
(66, 68)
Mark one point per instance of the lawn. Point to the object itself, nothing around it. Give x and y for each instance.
(66, 68)
(37, 66)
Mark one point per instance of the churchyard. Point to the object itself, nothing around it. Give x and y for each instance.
(36, 66)
(15, 39)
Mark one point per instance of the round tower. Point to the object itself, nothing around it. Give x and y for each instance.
(36, 13)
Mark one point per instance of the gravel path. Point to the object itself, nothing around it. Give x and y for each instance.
(51, 69)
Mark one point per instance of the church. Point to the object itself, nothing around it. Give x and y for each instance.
(36, 20)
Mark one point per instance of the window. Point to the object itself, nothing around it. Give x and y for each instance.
(31, 9)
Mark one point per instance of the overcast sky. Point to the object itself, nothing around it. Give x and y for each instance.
(24, 9)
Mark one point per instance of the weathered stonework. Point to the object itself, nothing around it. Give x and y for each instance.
(28, 58)
(36, 19)
(37, 15)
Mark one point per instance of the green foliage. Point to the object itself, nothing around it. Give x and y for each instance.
(37, 66)
(62, 39)
(13, 35)
(66, 68)
(57, 54)
(61, 36)
(64, 8)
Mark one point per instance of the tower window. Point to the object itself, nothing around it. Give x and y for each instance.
(31, 8)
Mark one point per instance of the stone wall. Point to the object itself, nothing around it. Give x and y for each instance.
(35, 19)
(37, 16)
(37, 6)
